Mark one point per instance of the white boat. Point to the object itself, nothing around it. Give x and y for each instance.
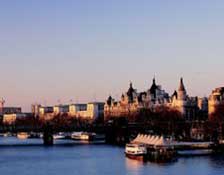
(60, 135)
(76, 135)
(5, 134)
(83, 136)
(22, 135)
(136, 151)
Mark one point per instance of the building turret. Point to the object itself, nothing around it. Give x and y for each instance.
(174, 95)
(182, 93)
(131, 93)
(109, 101)
(2, 102)
(182, 97)
(153, 89)
(215, 99)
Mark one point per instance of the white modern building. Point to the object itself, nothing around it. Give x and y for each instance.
(8, 110)
(91, 110)
(11, 118)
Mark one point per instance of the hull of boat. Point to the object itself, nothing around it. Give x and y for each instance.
(84, 137)
(56, 137)
(22, 136)
(141, 157)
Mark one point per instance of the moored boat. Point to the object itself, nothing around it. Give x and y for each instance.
(60, 135)
(158, 148)
(76, 135)
(22, 135)
(7, 134)
(136, 151)
(83, 136)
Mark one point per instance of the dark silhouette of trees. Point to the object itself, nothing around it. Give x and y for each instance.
(64, 122)
(162, 120)
(218, 115)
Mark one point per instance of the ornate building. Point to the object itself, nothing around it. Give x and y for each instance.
(188, 106)
(215, 99)
(132, 101)
(129, 103)
(155, 96)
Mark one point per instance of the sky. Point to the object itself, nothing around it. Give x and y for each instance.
(83, 50)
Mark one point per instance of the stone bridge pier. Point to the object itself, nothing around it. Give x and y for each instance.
(48, 135)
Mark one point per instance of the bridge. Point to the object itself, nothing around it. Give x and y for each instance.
(48, 130)
(117, 131)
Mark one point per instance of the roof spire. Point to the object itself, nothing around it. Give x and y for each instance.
(181, 87)
(154, 79)
(130, 84)
(153, 87)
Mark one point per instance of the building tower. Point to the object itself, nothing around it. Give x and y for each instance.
(131, 93)
(153, 89)
(216, 98)
(182, 97)
(2, 102)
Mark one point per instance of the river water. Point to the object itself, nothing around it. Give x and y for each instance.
(29, 157)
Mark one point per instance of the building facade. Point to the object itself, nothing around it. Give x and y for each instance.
(91, 111)
(11, 118)
(35, 108)
(186, 105)
(216, 98)
(132, 101)
(60, 109)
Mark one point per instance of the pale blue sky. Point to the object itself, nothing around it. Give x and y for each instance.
(87, 49)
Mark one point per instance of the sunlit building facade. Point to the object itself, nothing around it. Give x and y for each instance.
(132, 101)
(11, 118)
(216, 98)
(91, 110)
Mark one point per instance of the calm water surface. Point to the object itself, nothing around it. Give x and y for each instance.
(92, 160)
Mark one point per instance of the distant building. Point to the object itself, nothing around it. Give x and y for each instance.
(88, 111)
(61, 109)
(203, 104)
(91, 110)
(46, 109)
(132, 101)
(216, 98)
(197, 133)
(188, 106)
(8, 110)
(11, 118)
(35, 109)
(95, 110)
(77, 109)
(11, 110)
(203, 108)
(46, 112)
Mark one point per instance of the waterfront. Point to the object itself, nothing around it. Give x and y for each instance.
(91, 159)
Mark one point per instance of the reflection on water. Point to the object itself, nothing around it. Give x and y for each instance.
(217, 162)
(133, 165)
(93, 160)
